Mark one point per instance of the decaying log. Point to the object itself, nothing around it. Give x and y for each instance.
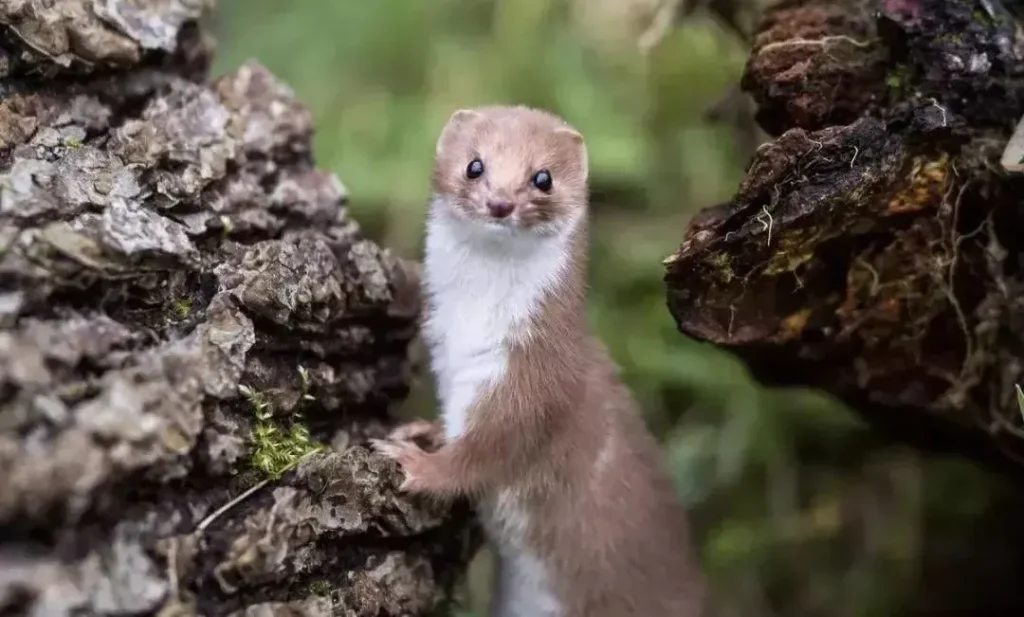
(195, 341)
(874, 248)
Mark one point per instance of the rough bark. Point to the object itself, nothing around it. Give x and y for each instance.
(874, 247)
(178, 283)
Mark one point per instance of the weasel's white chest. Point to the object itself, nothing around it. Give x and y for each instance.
(482, 290)
(467, 354)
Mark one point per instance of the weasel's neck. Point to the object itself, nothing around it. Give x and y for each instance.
(488, 291)
(504, 279)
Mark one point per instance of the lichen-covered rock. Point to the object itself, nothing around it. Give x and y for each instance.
(872, 249)
(89, 33)
(195, 341)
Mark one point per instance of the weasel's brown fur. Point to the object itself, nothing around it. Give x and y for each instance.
(556, 452)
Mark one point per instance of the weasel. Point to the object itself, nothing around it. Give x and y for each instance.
(538, 428)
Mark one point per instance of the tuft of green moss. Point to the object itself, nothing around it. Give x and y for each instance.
(275, 449)
(72, 143)
(898, 79)
(320, 588)
(182, 307)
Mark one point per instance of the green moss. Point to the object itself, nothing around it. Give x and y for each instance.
(182, 307)
(275, 449)
(794, 249)
(320, 588)
(898, 78)
(72, 143)
(722, 264)
(984, 18)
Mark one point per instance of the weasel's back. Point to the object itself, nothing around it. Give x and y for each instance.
(627, 549)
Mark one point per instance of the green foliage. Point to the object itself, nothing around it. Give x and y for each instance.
(766, 473)
(275, 450)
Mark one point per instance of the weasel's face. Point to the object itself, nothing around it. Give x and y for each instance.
(511, 168)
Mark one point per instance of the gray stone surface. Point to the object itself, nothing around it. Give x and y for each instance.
(167, 245)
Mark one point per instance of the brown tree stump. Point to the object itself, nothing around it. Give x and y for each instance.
(874, 248)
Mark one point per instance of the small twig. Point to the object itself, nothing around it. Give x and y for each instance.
(942, 109)
(875, 279)
(948, 289)
(818, 146)
(985, 4)
(822, 42)
(1000, 423)
(1020, 398)
(172, 568)
(799, 281)
(206, 522)
(856, 151)
(957, 241)
(768, 225)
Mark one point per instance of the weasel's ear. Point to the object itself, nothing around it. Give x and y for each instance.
(575, 141)
(459, 120)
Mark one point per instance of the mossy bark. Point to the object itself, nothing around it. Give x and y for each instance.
(874, 247)
(195, 341)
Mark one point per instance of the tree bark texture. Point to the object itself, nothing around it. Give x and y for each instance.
(195, 341)
(874, 248)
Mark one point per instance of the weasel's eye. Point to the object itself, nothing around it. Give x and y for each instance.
(542, 180)
(475, 169)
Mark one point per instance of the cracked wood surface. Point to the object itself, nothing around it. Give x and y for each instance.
(873, 249)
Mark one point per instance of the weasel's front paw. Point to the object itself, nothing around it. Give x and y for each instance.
(421, 474)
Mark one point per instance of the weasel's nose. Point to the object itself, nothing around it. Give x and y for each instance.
(500, 209)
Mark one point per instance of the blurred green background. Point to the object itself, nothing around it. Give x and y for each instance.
(798, 508)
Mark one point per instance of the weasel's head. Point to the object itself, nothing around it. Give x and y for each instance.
(511, 169)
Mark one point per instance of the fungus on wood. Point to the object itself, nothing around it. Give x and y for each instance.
(195, 341)
(874, 247)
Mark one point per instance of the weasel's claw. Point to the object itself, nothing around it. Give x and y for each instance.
(409, 456)
(408, 485)
(387, 448)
